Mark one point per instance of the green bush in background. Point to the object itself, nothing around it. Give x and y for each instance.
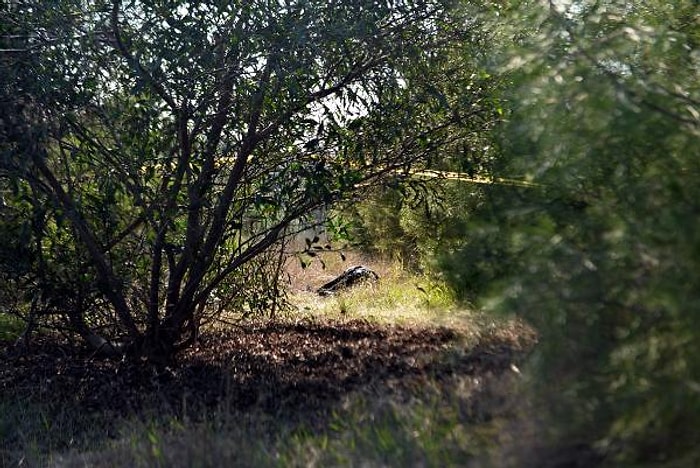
(606, 117)
(602, 252)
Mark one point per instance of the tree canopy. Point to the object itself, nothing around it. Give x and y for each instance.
(152, 150)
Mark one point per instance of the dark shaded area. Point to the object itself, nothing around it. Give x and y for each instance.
(349, 278)
(274, 367)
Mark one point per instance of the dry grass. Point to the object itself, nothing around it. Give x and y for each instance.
(328, 265)
(398, 297)
(445, 405)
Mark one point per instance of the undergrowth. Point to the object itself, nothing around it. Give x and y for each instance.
(10, 327)
(450, 413)
(435, 425)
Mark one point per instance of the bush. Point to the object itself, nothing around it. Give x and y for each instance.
(603, 260)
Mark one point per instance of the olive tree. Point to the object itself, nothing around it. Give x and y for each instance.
(177, 141)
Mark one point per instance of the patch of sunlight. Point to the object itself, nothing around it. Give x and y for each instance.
(397, 298)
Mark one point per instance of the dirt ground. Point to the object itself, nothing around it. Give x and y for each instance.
(272, 366)
(293, 371)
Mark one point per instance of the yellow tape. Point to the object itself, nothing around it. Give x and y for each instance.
(473, 180)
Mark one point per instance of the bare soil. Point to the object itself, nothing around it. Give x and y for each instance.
(271, 366)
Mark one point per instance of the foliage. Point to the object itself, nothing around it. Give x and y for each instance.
(603, 258)
(422, 218)
(10, 327)
(167, 145)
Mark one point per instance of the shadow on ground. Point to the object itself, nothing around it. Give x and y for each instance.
(291, 370)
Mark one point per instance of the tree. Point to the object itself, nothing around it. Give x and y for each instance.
(602, 258)
(423, 219)
(181, 140)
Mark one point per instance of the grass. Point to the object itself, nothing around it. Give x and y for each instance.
(451, 419)
(431, 425)
(432, 428)
(398, 297)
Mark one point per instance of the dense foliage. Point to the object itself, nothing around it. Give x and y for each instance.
(600, 252)
(424, 216)
(152, 150)
(603, 256)
(151, 156)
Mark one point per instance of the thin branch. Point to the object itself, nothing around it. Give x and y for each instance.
(112, 288)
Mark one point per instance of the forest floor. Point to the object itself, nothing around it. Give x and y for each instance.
(313, 391)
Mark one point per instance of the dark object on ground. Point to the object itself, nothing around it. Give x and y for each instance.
(347, 279)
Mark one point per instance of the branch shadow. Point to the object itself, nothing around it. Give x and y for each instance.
(65, 398)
